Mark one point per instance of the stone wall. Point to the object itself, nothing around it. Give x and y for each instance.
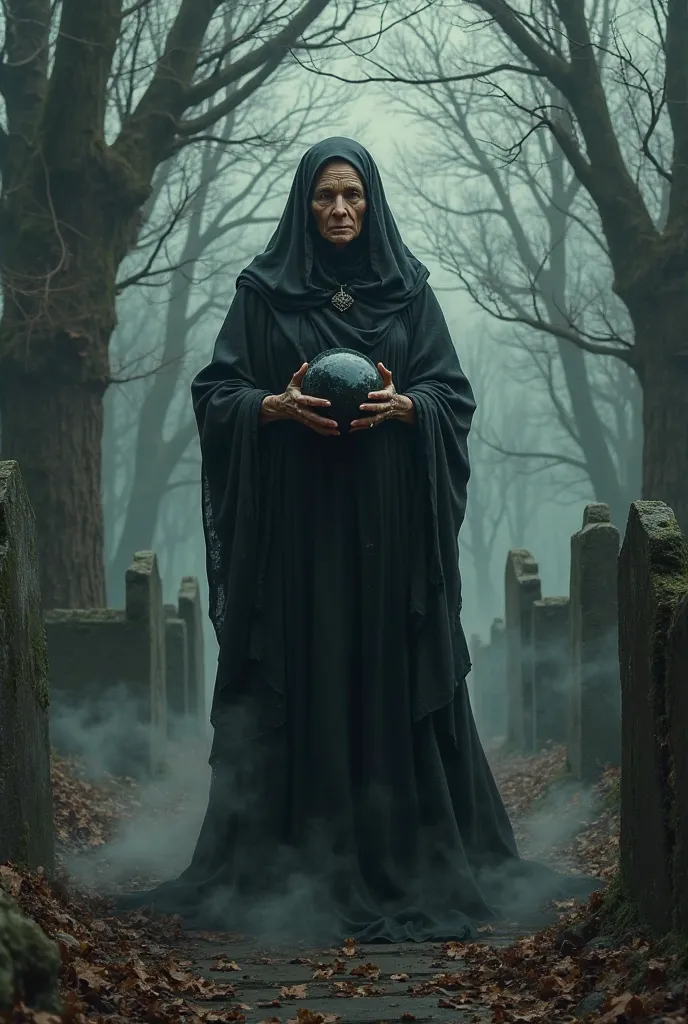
(100, 657)
(553, 663)
(26, 823)
(653, 645)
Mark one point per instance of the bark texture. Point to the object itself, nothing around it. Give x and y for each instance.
(69, 214)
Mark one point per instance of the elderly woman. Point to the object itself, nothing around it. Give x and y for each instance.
(350, 795)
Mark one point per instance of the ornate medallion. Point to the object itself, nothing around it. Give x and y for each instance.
(341, 300)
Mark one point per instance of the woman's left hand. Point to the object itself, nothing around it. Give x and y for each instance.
(385, 405)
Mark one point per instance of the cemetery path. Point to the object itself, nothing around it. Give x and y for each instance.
(351, 984)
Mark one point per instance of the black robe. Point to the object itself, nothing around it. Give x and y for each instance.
(350, 794)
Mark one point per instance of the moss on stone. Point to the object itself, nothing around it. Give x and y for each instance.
(29, 962)
(618, 912)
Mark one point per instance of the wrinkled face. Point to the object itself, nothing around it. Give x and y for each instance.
(339, 203)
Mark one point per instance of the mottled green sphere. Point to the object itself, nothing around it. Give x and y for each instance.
(345, 377)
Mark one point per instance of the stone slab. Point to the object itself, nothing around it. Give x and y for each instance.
(176, 673)
(521, 588)
(594, 720)
(190, 609)
(551, 667)
(264, 969)
(677, 718)
(26, 819)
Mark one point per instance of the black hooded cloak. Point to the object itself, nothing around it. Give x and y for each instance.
(350, 794)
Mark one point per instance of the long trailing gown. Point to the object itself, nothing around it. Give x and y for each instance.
(350, 793)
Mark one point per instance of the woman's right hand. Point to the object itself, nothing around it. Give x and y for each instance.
(292, 405)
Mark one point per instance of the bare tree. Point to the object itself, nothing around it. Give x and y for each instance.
(522, 241)
(617, 111)
(98, 96)
(235, 191)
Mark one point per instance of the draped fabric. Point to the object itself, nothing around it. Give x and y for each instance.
(350, 793)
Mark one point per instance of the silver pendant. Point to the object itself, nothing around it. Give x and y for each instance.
(341, 300)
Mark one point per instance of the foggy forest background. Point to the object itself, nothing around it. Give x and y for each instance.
(515, 249)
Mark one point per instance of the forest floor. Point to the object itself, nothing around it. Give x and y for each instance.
(150, 970)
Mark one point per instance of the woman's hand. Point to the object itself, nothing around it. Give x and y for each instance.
(292, 405)
(385, 405)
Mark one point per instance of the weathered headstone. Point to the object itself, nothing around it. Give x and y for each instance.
(594, 720)
(176, 669)
(677, 718)
(550, 670)
(488, 696)
(191, 611)
(96, 654)
(26, 810)
(498, 689)
(29, 963)
(522, 587)
(653, 577)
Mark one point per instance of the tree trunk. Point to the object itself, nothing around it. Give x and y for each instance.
(664, 377)
(53, 429)
(141, 520)
(63, 236)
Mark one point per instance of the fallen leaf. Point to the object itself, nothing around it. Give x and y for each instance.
(224, 965)
(293, 992)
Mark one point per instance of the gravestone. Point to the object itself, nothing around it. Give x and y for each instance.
(653, 577)
(29, 964)
(498, 675)
(176, 670)
(550, 670)
(677, 718)
(107, 669)
(26, 810)
(522, 587)
(594, 719)
(190, 610)
(489, 684)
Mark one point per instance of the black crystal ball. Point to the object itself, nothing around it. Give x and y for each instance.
(345, 378)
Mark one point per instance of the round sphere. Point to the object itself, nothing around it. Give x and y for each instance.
(345, 377)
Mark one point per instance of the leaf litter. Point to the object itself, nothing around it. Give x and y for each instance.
(134, 970)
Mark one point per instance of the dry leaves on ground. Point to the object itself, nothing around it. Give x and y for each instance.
(130, 972)
(122, 971)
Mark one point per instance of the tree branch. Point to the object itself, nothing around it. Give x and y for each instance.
(552, 66)
(271, 52)
(235, 98)
(84, 51)
(25, 73)
(146, 137)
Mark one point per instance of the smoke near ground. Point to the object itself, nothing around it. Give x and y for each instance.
(112, 827)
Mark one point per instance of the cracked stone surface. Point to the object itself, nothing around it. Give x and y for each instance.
(265, 970)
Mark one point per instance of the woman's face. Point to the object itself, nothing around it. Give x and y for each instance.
(339, 203)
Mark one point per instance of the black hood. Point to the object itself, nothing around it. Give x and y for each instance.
(300, 271)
